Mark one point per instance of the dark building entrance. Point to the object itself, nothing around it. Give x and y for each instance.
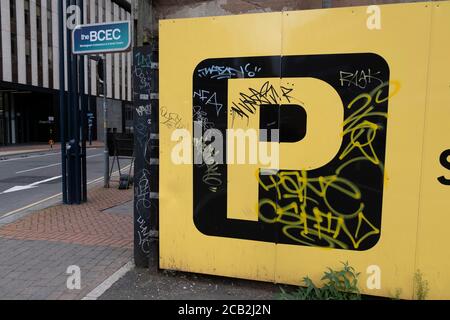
(27, 117)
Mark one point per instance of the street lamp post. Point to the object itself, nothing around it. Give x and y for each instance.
(87, 40)
(105, 127)
(62, 102)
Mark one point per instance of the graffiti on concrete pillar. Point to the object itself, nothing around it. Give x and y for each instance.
(143, 115)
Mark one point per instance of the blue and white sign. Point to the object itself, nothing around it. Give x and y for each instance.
(101, 38)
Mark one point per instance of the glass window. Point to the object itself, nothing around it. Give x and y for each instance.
(27, 47)
(49, 25)
(87, 15)
(27, 12)
(14, 45)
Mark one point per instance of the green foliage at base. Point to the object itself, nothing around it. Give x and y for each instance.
(339, 284)
(420, 286)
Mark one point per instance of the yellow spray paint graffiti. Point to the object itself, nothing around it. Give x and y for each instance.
(306, 215)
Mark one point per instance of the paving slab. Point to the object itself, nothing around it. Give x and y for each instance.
(37, 250)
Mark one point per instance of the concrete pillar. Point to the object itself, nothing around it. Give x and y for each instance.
(142, 18)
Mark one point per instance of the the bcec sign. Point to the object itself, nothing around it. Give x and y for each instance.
(107, 37)
(359, 100)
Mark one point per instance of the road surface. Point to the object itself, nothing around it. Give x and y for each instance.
(28, 178)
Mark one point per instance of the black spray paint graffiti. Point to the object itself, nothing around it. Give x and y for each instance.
(250, 101)
(171, 120)
(337, 205)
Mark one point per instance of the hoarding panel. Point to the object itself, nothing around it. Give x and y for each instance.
(433, 257)
(191, 79)
(385, 226)
(350, 102)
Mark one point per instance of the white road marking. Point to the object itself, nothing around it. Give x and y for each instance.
(105, 285)
(51, 197)
(30, 205)
(38, 168)
(54, 164)
(37, 156)
(30, 186)
(30, 157)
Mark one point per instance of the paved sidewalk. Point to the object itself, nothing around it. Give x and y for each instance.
(28, 148)
(36, 250)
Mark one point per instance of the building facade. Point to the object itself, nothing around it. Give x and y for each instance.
(29, 68)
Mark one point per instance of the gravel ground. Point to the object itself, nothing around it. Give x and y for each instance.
(144, 284)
